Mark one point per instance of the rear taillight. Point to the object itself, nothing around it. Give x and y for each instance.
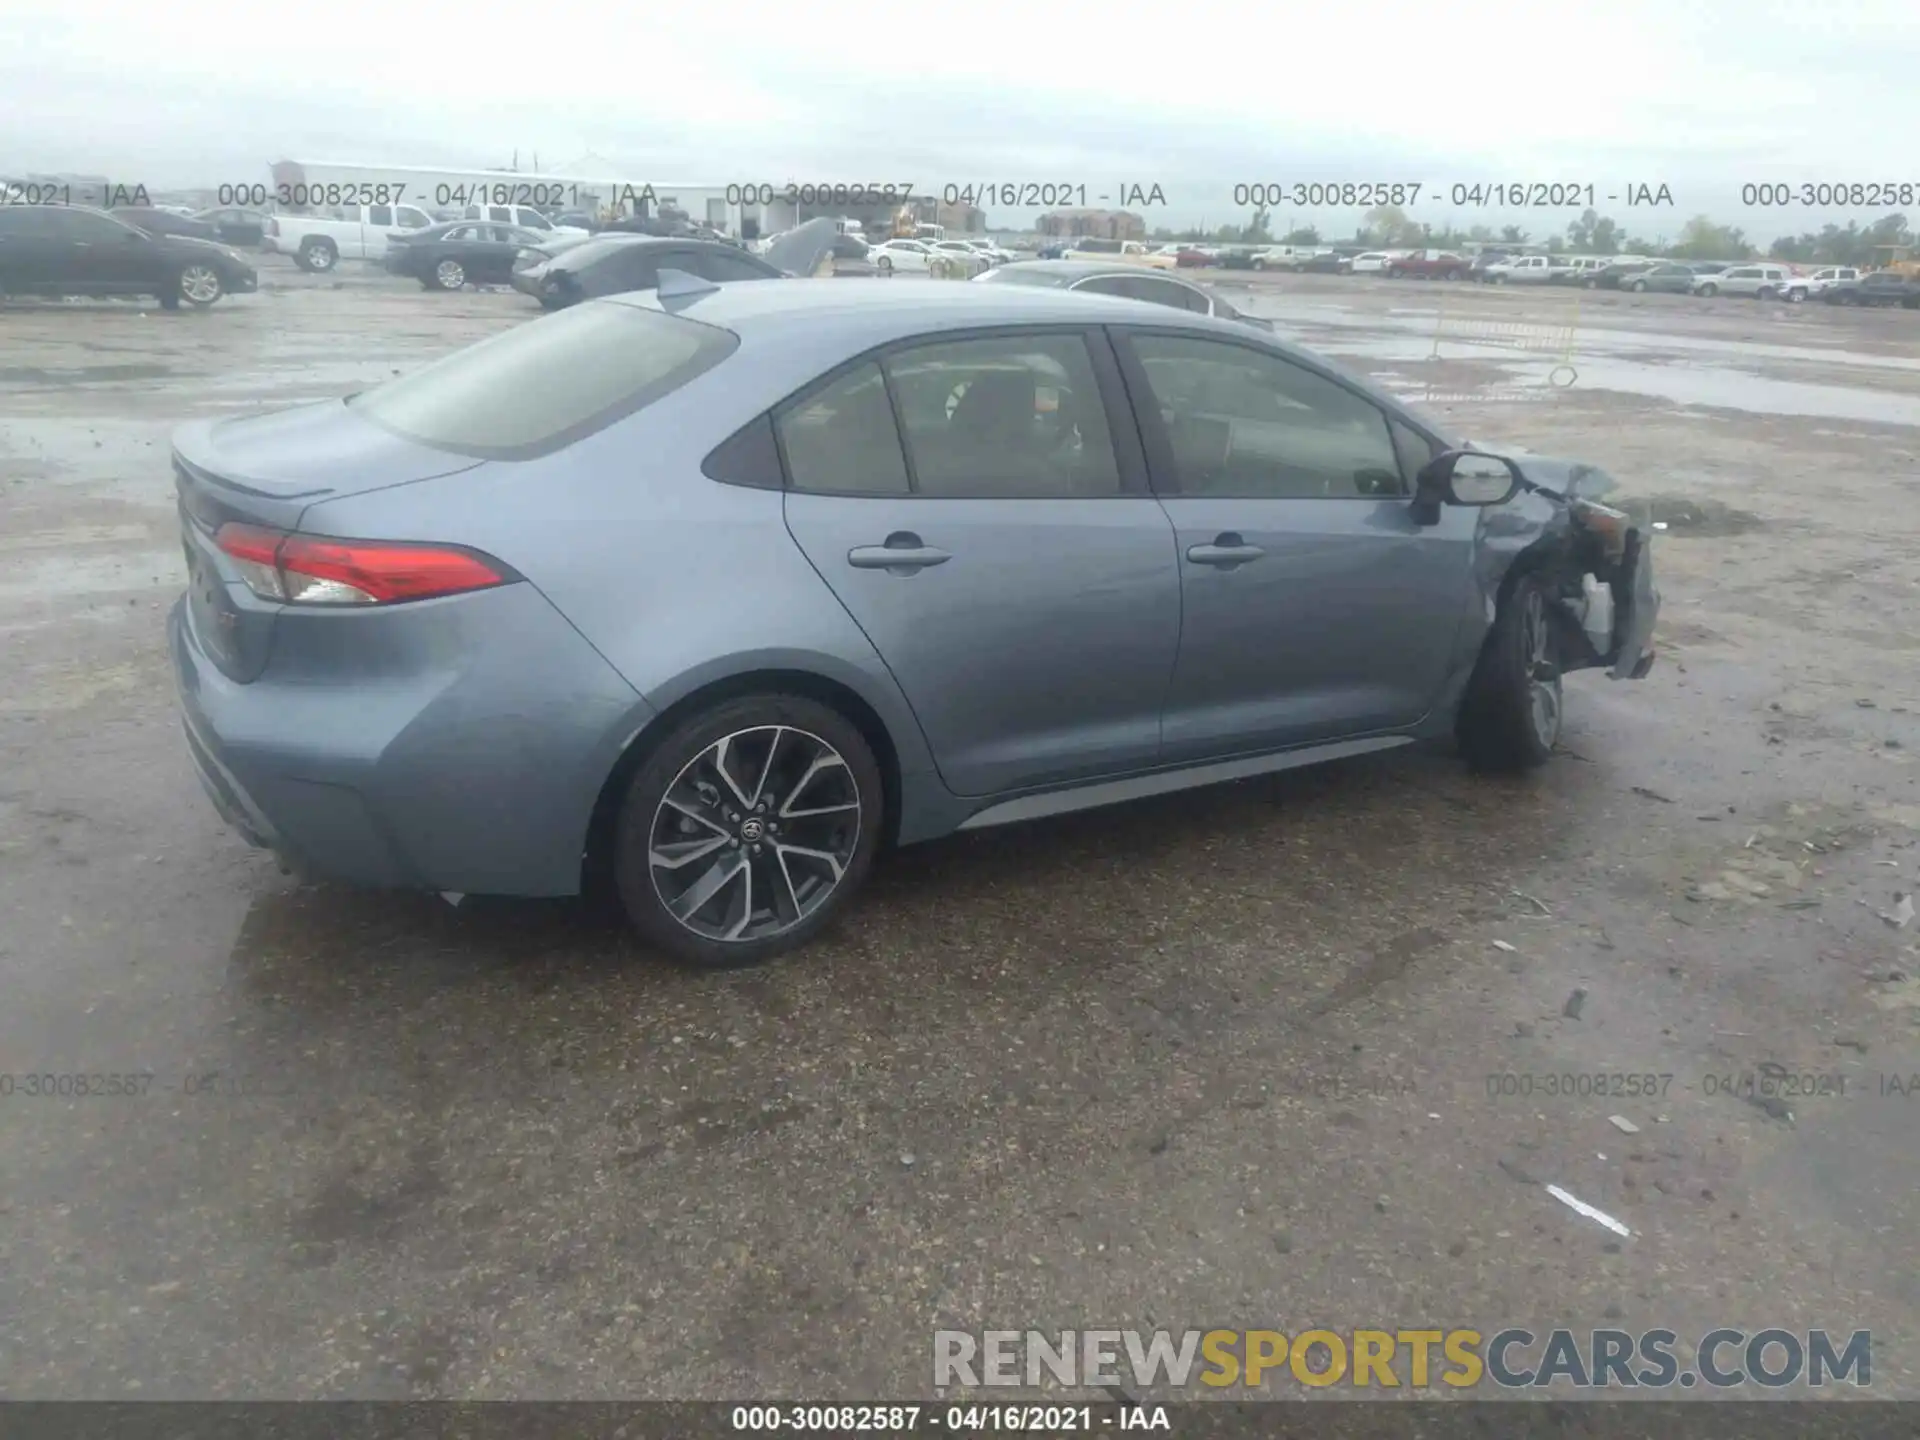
(310, 570)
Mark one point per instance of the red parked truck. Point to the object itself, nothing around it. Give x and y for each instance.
(1429, 265)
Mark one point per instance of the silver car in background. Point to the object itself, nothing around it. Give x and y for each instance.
(1129, 282)
(714, 591)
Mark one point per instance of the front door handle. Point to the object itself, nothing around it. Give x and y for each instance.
(903, 554)
(1225, 552)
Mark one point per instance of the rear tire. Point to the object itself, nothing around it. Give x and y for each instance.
(449, 275)
(1510, 717)
(1639, 287)
(795, 884)
(1709, 291)
(318, 256)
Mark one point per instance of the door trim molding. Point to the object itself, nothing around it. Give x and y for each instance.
(1165, 782)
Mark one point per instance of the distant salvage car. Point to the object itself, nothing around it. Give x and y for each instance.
(618, 264)
(1882, 287)
(1125, 281)
(467, 252)
(76, 250)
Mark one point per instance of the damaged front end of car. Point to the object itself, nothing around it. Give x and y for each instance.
(1594, 560)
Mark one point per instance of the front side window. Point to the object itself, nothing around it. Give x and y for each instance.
(843, 439)
(380, 215)
(1245, 423)
(1010, 417)
(534, 220)
(545, 384)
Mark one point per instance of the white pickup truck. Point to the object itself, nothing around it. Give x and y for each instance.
(1523, 270)
(321, 240)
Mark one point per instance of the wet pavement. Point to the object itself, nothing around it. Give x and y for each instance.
(1277, 1054)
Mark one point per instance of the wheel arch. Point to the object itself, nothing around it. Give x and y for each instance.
(596, 857)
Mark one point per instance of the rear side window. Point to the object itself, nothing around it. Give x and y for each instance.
(543, 385)
(843, 440)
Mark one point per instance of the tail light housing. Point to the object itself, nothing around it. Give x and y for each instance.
(318, 570)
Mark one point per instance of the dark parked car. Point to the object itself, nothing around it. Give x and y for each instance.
(1332, 262)
(1429, 265)
(615, 263)
(1883, 287)
(663, 590)
(579, 219)
(1132, 282)
(235, 226)
(163, 222)
(1667, 277)
(1615, 276)
(76, 250)
(467, 252)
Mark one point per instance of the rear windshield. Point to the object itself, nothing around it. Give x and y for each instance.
(547, 383)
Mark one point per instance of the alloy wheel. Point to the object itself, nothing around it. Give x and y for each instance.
(755, 834)
(450, 275)
(200, 284)
(1543, 676)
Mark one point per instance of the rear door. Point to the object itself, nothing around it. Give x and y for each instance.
(1314, 608)
(983, 518)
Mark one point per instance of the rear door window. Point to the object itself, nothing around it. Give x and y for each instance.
(545, 384)
(843, 439)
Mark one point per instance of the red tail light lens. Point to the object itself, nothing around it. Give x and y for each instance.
(312, 570)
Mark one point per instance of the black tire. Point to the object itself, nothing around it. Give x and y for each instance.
(1455, 275)
(679, 760)
(318, 256)
(1709, 291)
(1639, 287)
(449, 275)
(199, 285)
(885, 264)
(170, 302)
(1510, 716)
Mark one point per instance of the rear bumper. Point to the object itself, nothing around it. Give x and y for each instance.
(476, 775)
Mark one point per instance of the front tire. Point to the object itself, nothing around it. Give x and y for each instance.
(199, 285)
(1510, 717)
(748, 830)
(1639, 287)
(1709, 291)
(449, 275)
(885, 263)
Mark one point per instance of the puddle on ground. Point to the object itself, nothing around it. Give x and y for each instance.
(1695, 518)
(1682, 384)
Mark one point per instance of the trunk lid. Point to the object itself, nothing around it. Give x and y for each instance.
(266, 470)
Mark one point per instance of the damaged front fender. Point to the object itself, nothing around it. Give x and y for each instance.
(1597, 563)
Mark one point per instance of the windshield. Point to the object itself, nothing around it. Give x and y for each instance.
(547, 383)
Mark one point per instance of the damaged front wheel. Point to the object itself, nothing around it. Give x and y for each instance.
(1510, 717)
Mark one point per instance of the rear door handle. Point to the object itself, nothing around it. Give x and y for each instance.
(903, 554)
(1225, 552)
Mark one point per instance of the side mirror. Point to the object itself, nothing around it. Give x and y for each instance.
(1463, 477)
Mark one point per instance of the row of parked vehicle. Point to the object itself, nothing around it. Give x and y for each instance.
(1763, 280)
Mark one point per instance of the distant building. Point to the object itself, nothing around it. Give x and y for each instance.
(1095, 224)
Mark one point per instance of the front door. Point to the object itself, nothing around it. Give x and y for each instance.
(1004, 559)
(111, 258)
(1314, 608)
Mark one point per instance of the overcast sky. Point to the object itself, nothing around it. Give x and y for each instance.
(1701, 95)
